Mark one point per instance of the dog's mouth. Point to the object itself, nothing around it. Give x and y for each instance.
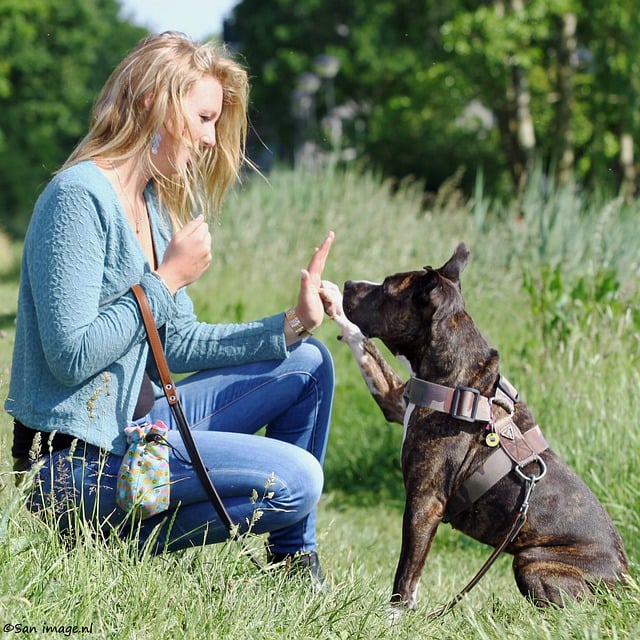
(350, 303)
(352, 316)
(358, 315)
(353, 303)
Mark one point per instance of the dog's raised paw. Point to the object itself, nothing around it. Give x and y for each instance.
(349, 332)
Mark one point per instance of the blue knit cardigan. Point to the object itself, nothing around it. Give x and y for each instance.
(80, 348)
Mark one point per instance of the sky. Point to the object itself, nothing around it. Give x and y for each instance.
(196, 18)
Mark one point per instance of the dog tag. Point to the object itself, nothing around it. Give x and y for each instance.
(492, 439)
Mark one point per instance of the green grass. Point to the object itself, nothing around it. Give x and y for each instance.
(552, 285)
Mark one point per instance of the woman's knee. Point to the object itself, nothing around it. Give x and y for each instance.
(316, 358)
(300, 485)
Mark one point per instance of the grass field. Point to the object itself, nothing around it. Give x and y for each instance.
(552, 283)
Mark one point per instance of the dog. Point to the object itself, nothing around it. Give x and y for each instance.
(472, 452)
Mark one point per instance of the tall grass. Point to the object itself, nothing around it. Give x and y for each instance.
(552, 284)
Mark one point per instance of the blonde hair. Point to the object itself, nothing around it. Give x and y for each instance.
(149, 86)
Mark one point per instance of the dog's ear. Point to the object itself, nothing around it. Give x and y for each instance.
(446, 297)
(456, 263)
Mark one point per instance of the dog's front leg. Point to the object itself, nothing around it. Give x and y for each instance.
(384, 384)
(421, 518)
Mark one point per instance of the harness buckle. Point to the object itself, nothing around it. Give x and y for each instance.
(533, 478)
(455, 402)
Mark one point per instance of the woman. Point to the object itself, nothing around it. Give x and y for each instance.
(130, 206)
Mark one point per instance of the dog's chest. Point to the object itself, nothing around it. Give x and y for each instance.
(426, 429)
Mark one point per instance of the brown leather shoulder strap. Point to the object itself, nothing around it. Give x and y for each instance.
(155, 344)
(178, 413)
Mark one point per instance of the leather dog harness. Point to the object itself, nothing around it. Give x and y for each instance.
(516, 449)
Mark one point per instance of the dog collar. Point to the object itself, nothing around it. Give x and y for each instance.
(461, 403)
(468, 405)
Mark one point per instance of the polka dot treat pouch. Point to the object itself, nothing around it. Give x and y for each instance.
(143, 478)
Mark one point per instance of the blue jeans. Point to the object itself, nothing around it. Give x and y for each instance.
(225, 407)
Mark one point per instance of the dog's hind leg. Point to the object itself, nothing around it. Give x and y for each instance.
(548, 581)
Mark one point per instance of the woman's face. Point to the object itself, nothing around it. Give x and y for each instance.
(203, 106)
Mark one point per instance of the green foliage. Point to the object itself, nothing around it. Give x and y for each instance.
(610, 37)
(54, 57)
(563, 256)
(565, 308)
(429, 86)
(393, 69)
(433, 83)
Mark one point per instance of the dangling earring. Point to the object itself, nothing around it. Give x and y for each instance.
(155, 144)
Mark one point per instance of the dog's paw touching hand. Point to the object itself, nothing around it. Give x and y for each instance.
(332, 298)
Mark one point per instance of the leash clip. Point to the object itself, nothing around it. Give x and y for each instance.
(531, 481)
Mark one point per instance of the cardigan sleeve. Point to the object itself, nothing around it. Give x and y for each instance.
(192, 345)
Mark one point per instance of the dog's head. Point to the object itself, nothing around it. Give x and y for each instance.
(401, 310)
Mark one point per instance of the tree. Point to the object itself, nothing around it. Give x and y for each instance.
(612, 49)
(502, 85)
(54, 57)
(565, 90)
(393, 73)
(521, 56)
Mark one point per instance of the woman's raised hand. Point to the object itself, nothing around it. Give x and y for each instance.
(311, 306)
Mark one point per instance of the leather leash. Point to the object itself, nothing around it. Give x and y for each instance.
(171, 393)
(514, 528)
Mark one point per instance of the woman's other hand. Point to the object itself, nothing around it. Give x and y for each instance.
(187, 256)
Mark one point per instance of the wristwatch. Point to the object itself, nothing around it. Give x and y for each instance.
(296, 325)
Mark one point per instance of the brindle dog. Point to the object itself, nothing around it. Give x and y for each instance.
(568, 543)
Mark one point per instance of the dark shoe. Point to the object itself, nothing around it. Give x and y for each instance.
(299, 564)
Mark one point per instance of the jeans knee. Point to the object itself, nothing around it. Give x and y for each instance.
(316, 479)
(299, 487)
(313, 486)
(318, 361)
